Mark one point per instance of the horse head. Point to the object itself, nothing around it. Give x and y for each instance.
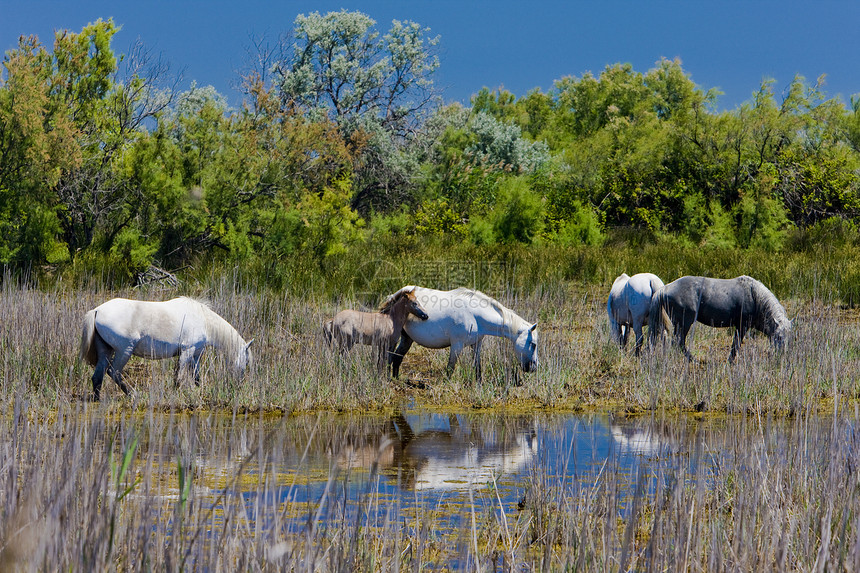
(404, 301)
(780, 335)
(525, 347)
(414, 307)
(244, 359)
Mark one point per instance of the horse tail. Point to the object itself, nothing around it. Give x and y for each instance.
(88, 349)
(667, 322)
(614, 327)
(657, 315)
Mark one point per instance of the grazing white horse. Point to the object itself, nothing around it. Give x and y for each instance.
(184, 327)
(628, 305)
(463, 317)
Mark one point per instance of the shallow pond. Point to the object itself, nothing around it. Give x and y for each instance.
(539, 490)
(326, 470)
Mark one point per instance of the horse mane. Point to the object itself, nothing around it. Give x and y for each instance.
(389, 301)
(221, 331)
(508, 316)
(770, 311)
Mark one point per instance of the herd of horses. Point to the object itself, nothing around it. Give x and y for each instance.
(184, 327)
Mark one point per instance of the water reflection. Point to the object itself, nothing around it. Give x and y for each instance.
(645, 436)
(413, 451)
(325, 468)
(452, 455)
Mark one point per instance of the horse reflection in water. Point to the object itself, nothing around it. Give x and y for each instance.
(652, 438)
(436, 459)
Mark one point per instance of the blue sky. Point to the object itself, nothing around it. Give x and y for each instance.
(730, 45)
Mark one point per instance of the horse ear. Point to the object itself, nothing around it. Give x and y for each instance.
(248, 345)
(532, 329)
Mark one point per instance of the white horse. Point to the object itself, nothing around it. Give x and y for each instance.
(628, 304)
(184, 327)
(463, 317)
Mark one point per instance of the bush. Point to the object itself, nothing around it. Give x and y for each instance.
(762, 222)
(519, 213)
(581, 228)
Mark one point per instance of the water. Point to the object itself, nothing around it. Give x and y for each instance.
(297, 465)
(278, 477)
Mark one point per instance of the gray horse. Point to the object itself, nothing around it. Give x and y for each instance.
(742, 302)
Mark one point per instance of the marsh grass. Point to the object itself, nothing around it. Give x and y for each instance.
(129, 485)
(293, 370)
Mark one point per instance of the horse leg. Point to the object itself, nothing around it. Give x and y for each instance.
(625, 331)
(737, 339)
(186, 360)
(195, 365)
(380, 354)
(397, 356)
(328, 333)
(386, 358)
(477, 348)
(637, 329)
(456, 349)
(103, 351)
(99, 376)
(119, 361)
(681, 336)
(347, 341)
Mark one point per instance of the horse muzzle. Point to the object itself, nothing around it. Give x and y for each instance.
(530, 366)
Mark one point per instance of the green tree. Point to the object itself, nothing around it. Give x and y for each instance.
(36, 147)
(108, 110)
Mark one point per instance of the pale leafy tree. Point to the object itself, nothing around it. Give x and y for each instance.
(343, 67)
(501, 144)
(375, 87)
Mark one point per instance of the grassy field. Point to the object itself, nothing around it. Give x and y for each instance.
(294, 371)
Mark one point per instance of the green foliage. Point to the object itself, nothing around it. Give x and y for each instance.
(500, 145)
(340, 145)
(436, 217)
(834, 232)
(762, 222)
(720, 233)
(519, 213)
(398, 225)
(581, 227)
(131, 252)
(344, 67)
(330, 224)
(482, 231)
(40, 228)
(374, 87)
